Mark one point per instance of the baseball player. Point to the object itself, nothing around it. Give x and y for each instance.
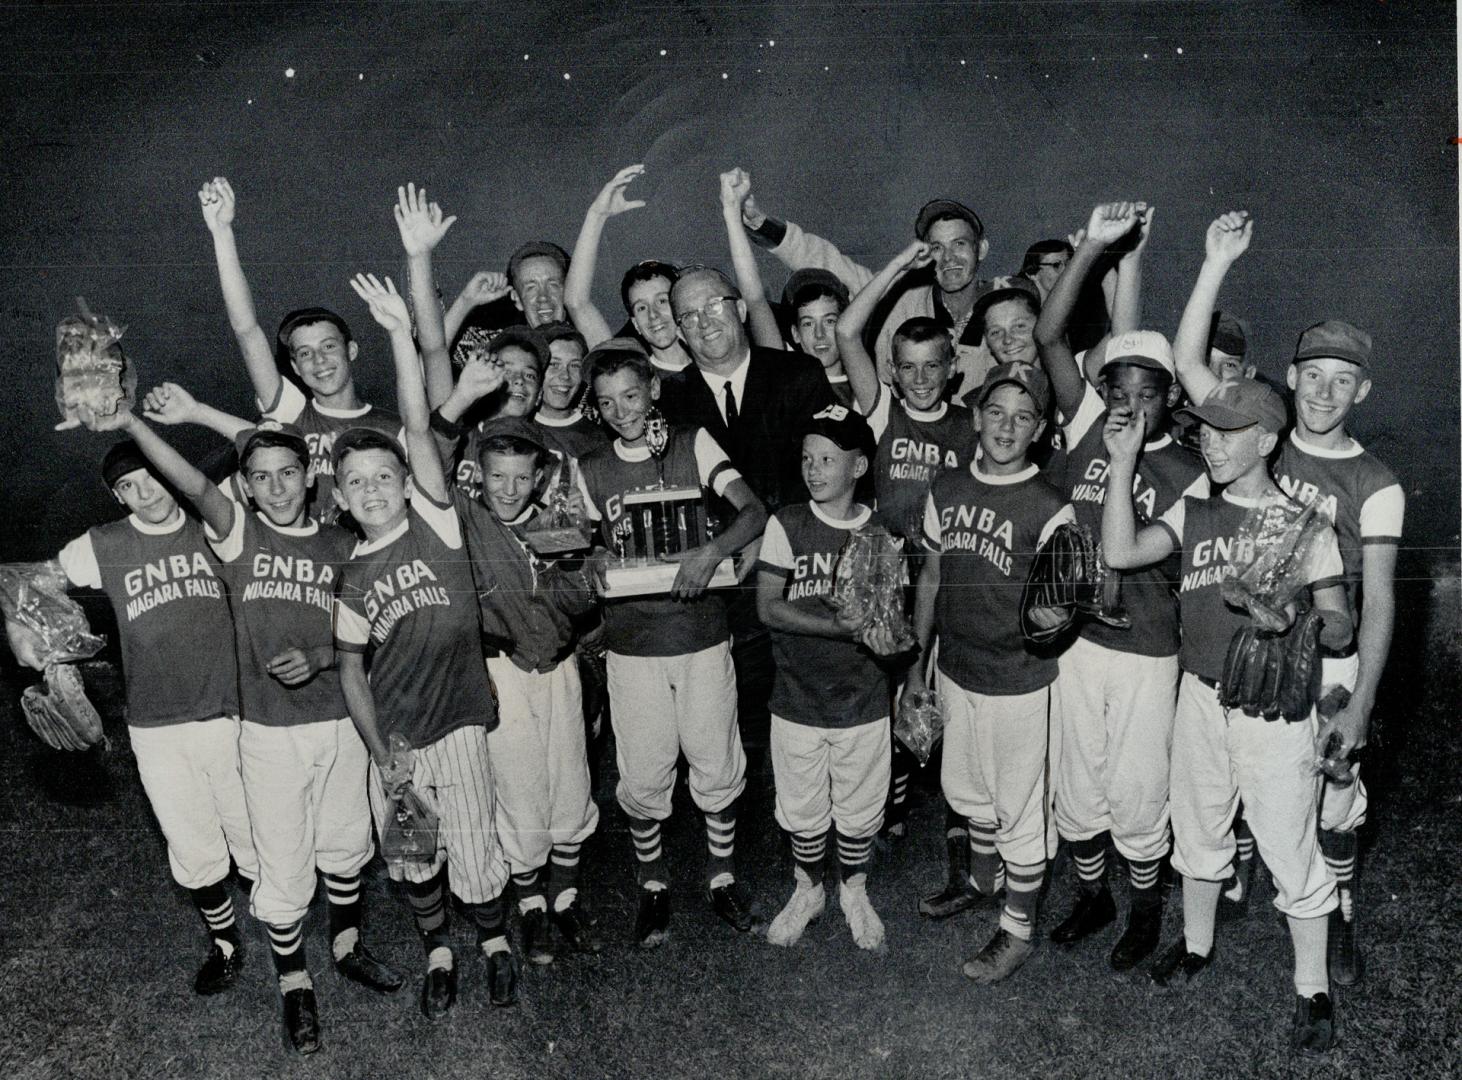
(318, 344)
(182, 700)
(1221, 756)
(565, 429)
(1118, 687)
(672, 689)
(1322, 463)
(982, 527)
(830, 698)
(406, 601)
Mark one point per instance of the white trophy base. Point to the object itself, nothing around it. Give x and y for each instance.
(650, 577)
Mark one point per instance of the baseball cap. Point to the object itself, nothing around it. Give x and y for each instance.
(306, 316)
(844, 428)
(1028, 377)
(534, 248)
(516, 427)
(810, 276)
(1144, 348)
(1240, 403)
(616, 344)
(523, 337)
(935, 209)
(1226, 334)
(1005, 288)
(363, 438)
(121, 459)
(1336, 338)
(271, 433)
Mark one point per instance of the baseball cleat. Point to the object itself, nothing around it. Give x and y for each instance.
(438, 992)
(1002, 955)
(808, 901)
(1139, 940)
(219, 972)
(1093, 912)
(359, 966)
(1346, 964)
(502, 977)
(1177, 960)
(1313, 1028)
(574, 926)
(863, 921)
(301, 1021)
(652, 921)
(534, 935)
(728, 903)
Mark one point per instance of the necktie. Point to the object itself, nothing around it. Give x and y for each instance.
(731, 413)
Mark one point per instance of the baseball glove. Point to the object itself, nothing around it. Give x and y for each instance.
(60, 715)
(1058, 582)
(1274, 675)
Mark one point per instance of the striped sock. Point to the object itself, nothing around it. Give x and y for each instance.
(853, 854)
(648, 852)
(563, 879)
(529, 886)
(1143, 877)
(429, 908)
(898, 787)
(491, 920)
(1339, 849)
(1244, 840)
(809, 850)
(217, 910)
(987, 870)
(343, 892)
(721, 847)
(1022, 890)
(287, 946)
(1091, 862)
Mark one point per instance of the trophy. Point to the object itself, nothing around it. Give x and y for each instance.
(658, 522)
(561, 528)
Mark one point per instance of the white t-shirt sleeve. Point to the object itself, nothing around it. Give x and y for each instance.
(288, 404)
(1174, 517)
(776, 549)
(878, 415)
(1064, 516)
(1382, 515)
(715, 468)
(230, 547)
(1325, 563)
(1199, 488)
(1091, 408)
(933, 531)
(442, 520)
(78, 560)
(351, 628)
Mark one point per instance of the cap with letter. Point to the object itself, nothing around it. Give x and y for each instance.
(999, 290)
(1028, 377)
(1144, 348)
(1337, 338)
(935, 209)
(845, 428)
(1240, 403)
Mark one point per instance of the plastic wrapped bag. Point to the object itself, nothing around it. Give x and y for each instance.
(44, 625)
(1267, 562)
(868, 583)
(410, 834)
(91, 368)
(920, 724)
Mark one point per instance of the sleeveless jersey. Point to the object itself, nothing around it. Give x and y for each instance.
(913, 448)
(822, 682)
(574, 439)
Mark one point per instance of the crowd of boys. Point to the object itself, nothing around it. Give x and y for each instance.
(361, 606)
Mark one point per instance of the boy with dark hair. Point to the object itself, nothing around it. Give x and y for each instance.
(1044, 262)
(1322, 463)
(982, 527)
(813, 300)
(405, 598)
(1223, 755)
(671, 684)
(1118, 687)
(560, 413)
(830, 699)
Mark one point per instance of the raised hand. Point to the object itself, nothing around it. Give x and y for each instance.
(735, 188)
(917, 254)
(1110, 222)
(1144, 230)
(1228, 236)
(751, 216)
(480, 376)
(421, 223)
(387, 306)
(610, 200)
(484, 287)
(1123, 434)
(169, 403)
(217, 197)
(95, 421)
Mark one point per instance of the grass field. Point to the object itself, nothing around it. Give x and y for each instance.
(98, 951)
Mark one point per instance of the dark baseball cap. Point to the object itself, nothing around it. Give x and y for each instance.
(935, 209)
(813, 276)
(123, 458)
(999, 290)
(1226, 334)
(1028, 377)
(271, 433)
(845, 428)
(516, 427)
(1240, 403)
(308, 316)
(1336, 338)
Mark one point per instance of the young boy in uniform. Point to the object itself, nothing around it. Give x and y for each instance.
(982, 527)
(1321, 462)
(830, 698)
(564, 427)
(406, 599)
(671, 684)
(814, 299)
(1118, 687)
(302, 762)
(1221, 756)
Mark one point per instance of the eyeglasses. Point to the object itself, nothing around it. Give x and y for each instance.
(714, 308)
(1059, 264)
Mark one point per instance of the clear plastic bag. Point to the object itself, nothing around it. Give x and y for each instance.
(43, 624)
(868, 583)
(1268, 560)
(920, 723)
(410, 834)
(91, 368)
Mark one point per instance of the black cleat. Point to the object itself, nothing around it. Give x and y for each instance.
(1093, 911)
(1313, 1029)
(1139, 940)
(1347, 967)
(301, 1021)
(1001, 957)
(359, 966)
(575, 928)
(438, 992)
(652, 921)
(728, 903)
(1177, 960)
(534, 935)
(219, 972)
(502, 977)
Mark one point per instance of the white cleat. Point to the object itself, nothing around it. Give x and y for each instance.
(867, 927)
(807, 903)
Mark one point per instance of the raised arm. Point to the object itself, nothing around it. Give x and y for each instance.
(1124, 546)
(1228, 238)
(1126, 306)
(217, 198)
(862, 373)
(735, 187)
(483, 287)
(798, 249)
(422, 227)
(168, 403)
(577, 286)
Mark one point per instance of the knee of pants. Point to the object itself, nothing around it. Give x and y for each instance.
(1343, 809)
(1304, 890)
(1142, 834)
(1202, 853)
(808, 812)
(641, 800)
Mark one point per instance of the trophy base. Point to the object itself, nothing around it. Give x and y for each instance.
(558, 541)
(650, 578)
